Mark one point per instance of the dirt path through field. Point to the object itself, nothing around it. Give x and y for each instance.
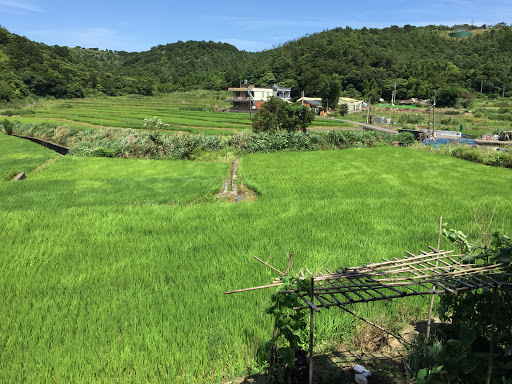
(232, 190)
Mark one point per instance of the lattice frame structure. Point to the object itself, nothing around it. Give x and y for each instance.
(428, 273)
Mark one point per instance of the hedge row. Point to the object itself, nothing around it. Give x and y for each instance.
(132, 143)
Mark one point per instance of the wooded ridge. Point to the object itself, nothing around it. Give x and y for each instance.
(421, 60)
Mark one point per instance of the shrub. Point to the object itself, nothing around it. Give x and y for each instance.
(405, 139)
(7, 126)
(484, 156)
(410, 119)
(275, 114)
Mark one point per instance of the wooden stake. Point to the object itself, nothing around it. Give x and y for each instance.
(311, 314)
(254, 288)
(289, 263)
(432, 298)
(493, 326)
(268, 265)
(398, 337)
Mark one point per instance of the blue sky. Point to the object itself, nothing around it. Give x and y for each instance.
(249, 25)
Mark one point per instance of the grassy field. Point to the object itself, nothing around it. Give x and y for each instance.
(115, 270)
(18, 155)
(184, 111)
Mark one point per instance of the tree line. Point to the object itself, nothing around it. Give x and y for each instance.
(421, 61)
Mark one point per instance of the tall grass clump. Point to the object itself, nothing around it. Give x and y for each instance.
(155, 143)
(118, 142)
(251, 142)
(483, 155)
(361, 139)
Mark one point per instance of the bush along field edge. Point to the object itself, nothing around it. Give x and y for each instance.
(155, 144)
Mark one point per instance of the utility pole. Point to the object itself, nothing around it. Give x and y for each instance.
(434, 119)
(302, 98)
(250, 101)
(482, 87)
(393, 95)
(429, 113)
(368, 115)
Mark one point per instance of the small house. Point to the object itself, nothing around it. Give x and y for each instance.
(282, 92)
(310, 102)
(353, 104)
(248, 97)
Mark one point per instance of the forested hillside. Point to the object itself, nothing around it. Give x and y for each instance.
(421, 60)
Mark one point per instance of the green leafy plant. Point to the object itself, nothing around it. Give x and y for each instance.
(8, 126)
(285, 347)
(275, 114)
(468, 333)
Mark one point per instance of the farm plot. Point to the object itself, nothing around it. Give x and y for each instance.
(19, 155)
(76, 182)
(94, 291)
(191, 114)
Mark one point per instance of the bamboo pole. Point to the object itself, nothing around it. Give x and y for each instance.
(311, 315)
(493, 326)
(253, 288)
(398, 337)
(268, 265)
(432, 298)
(405, 294)
(289, 263)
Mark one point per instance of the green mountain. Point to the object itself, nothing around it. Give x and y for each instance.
(364, 61)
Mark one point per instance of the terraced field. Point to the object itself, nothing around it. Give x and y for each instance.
(189, 112)
(115, 270)
(18, 156)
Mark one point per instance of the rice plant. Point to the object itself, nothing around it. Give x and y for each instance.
(115, 270)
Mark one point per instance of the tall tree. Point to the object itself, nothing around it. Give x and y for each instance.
(330, 90)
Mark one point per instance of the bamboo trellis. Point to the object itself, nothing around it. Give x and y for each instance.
(412, 275)
(391, 279)
(427, 273)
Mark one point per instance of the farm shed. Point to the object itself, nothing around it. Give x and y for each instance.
(310, 102)
(353, 104)
(380, 120)
(461, 31)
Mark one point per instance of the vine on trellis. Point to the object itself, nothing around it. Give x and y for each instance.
(287, 361)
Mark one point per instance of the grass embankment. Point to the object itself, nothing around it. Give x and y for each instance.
(18, 155)
(191, 112)
(132, 143)
(93, 291)
(484, 155)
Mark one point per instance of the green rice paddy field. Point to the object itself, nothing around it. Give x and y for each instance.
(115, 270)
(183, 111)
(20, 156)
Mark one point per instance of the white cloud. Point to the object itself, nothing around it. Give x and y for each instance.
(13, 6)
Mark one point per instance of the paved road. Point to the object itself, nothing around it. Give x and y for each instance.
(365, 126)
